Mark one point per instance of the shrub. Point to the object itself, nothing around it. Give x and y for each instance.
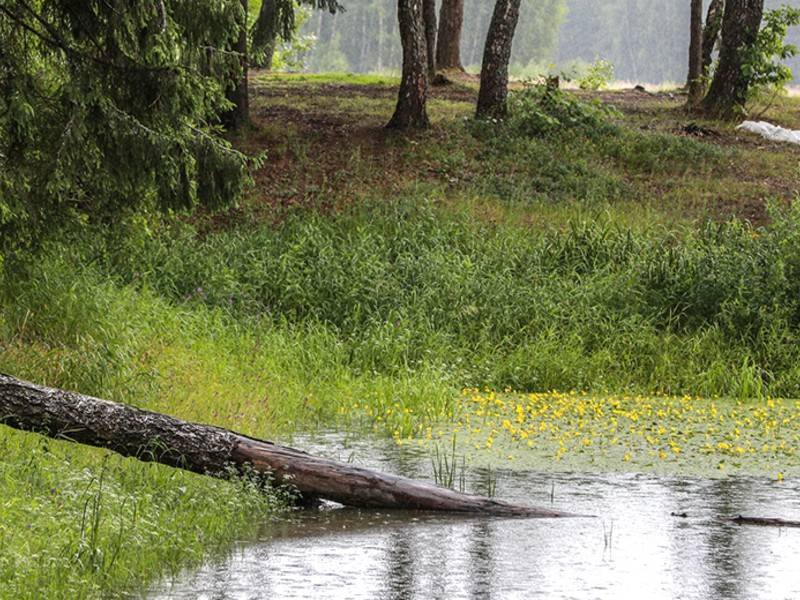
(542, 110)
(597, 76)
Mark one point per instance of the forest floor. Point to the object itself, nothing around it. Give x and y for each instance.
(620, 297)
(327, 147)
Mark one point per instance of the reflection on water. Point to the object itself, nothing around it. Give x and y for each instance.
(635, 549)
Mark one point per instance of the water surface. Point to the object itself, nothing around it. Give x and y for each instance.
(634, 549)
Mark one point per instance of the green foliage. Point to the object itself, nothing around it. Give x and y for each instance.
(106, 109)
(541, 110)
(763, 65)
(597, 76)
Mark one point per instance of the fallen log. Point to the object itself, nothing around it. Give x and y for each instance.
(764, 522)
(221, 453)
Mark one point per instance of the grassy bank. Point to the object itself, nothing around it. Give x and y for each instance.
(365, 284)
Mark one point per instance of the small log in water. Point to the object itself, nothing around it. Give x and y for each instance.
(765, 522)
(219, 452)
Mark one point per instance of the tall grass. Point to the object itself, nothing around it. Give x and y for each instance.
(76, 523)
(407, 288)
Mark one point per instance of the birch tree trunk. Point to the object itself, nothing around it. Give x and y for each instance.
(429, 13)
(493, 94)
(411, 111)
(711, 31)
(727, 96)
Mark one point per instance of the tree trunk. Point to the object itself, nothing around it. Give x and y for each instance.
(221, 453)
(411, 102)
(493, 95)
(265, 34)
(711, 33)
(429, 13)
(727, 96)
(239, 116)
(695, 82)
(448, 45)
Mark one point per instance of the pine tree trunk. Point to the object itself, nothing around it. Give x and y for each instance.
(265, 33)
(239, 116)
(217, 452)
(411, 109)
(695, 82)
(448, 46)
(493, 95)
(727, 96)
(711, 33)
(429, 12)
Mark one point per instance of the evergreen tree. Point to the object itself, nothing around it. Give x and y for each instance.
(107, 107)
(238, 92)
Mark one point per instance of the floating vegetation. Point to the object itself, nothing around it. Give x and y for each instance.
(573, 431)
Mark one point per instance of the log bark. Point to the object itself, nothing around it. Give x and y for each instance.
(448, 45)
(493, 94)
(727, 95)
(221, 453)
(411, 110)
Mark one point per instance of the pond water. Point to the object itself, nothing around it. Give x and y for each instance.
(635, 548)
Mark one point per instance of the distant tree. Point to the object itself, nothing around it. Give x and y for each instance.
(429, 12)
(493, 94)
(727, 95)
(695, 80)
(711, 31)
(448, 47)
(411, 111)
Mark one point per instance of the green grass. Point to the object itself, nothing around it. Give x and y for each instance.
(364, 284)
(78, 524)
